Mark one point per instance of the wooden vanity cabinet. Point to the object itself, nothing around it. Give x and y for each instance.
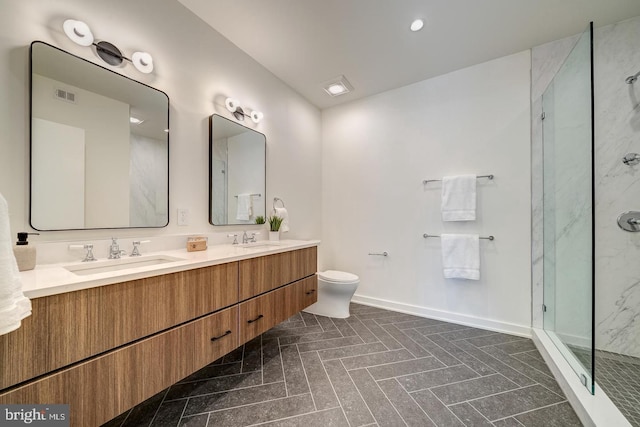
(72, 326)
(103, 350)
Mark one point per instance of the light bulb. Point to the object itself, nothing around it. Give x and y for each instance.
(417, 25)
(78, 32)
(336, 89)
(256, 116)
(142, 61)
(232, 104)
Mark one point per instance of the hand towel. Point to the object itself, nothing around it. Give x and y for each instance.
(461, 256)
(459, 198)
(244, 207)
(14, 306)
(282, 213)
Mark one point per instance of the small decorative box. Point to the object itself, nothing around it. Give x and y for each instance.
(198, 243)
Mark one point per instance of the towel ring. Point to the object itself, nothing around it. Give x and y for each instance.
(276, 200)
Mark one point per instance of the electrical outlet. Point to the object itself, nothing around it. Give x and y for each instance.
(183, 216)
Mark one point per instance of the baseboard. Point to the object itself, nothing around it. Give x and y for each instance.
(447, 316)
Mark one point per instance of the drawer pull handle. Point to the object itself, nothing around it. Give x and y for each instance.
(311, 291)
(256, 319)
(221, 336)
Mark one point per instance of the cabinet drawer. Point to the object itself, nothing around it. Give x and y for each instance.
(106, 386)
(295, 297)
(262, 274)
(257, 315)
(310, 291)
(67, 328)
(215, 336)
(102, 388)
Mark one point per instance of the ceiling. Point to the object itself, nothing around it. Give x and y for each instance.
(308, 42)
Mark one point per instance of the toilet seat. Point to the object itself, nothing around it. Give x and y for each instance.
(338, 277)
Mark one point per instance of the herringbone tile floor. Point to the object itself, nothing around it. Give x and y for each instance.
(376, 368)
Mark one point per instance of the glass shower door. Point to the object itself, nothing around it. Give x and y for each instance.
(568, 209)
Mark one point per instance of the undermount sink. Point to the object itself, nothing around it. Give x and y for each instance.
(261, 245)
(88, 268)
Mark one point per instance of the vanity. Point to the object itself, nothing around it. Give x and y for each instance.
(105, 342)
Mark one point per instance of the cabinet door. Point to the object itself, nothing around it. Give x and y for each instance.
(257, 315)
(262, 274)
(70, 327)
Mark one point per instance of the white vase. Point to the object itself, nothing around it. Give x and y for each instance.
(274, 236)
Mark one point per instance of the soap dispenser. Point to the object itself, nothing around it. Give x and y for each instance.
(25, 254)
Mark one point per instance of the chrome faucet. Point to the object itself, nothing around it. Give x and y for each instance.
(114, 249)
(89, 255)
(136, 248)
(249, 239)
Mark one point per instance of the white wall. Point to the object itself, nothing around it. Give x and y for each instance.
(198, 69)
(377, 151)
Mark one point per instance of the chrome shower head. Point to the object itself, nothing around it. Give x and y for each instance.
(632, 79)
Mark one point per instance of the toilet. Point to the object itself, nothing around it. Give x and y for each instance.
(335, 289)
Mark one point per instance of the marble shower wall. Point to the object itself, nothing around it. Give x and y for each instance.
(617, 55)
(148, 190)
(617, 124)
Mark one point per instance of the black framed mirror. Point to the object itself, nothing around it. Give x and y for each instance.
(99, 146)
(237, 173)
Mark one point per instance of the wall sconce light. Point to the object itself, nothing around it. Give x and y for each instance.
(81, 34)
(233, 105)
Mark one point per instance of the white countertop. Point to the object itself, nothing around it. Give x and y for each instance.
(52, 279)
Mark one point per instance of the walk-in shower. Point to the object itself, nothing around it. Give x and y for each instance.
(568, 210)
(591, 217)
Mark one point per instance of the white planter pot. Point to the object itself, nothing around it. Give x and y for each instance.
(274, 236)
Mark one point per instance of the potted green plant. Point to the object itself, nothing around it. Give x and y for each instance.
(274, 227)
(260, 219)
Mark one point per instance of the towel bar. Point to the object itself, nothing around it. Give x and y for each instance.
(434, 180)
(425, 235)
(385, 253)
(252, 195)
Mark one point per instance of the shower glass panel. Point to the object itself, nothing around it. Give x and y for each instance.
(568, 209)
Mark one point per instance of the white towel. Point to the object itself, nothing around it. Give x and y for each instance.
(282, 213)
(244, 211)
(461, 256)
(459, 198)
(14, 306)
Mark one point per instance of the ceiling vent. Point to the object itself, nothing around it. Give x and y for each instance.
(64, 95)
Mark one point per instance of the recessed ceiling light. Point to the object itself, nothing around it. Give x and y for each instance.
(417, 25)
(337, 86)
(336, 89)
(135, 121)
